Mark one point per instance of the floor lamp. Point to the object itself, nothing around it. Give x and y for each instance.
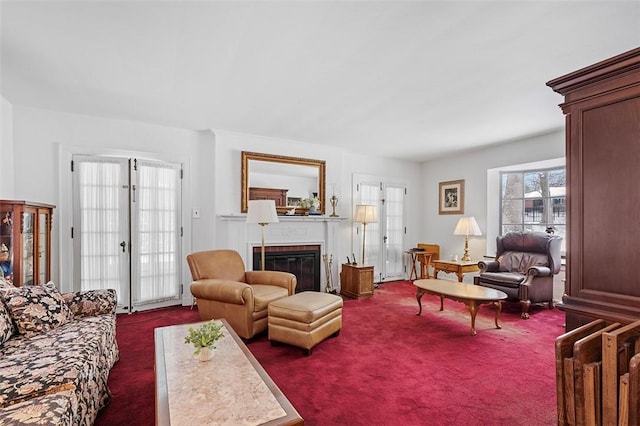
(365, 214)
(467, 226)
(262, 212)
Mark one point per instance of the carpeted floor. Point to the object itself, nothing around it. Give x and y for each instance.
(387, 367)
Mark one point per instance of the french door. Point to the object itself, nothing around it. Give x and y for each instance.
(127, 229)
(384, 240)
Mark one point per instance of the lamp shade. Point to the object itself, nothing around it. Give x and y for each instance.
(366, 214)
(262, 211)
(467, 226)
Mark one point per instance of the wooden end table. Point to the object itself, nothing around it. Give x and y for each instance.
(457, 267)
(471, 295)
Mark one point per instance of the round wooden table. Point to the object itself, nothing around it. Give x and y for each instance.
(471, 295)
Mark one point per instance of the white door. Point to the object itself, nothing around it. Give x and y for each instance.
(126, 229)
(384, 240)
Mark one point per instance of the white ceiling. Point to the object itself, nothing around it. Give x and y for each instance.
(414, 80)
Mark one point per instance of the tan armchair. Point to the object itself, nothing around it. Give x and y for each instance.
(224, 289)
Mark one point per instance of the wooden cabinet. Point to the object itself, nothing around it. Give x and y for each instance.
(356, 281)
(602, 109)
(25, 241)
(275, 194)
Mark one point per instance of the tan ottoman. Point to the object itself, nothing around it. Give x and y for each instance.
(305, 319)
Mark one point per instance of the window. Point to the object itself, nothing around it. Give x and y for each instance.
(533, 200)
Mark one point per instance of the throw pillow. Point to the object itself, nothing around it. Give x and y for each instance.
(36, 309)
(6, 324)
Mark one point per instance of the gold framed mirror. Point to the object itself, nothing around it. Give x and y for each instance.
(287, 180)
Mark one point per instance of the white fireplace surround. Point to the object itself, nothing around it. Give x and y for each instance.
(238, 235)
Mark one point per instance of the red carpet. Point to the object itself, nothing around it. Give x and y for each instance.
(387, 367)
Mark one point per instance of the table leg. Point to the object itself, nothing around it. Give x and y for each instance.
(472, 306)
(413, 275)
(460, 276)
(442, 303)
(498, 306)
(419, 293)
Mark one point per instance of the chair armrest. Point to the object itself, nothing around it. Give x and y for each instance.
(224, 291)
(91, 303)
(490, 266)
(277, 278)
(539, 271)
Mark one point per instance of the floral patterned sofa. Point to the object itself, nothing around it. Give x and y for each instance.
(56, 351)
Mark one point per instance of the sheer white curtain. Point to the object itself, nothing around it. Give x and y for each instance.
(369, 193)
(127, 229)
(385, 239)
(101, 222)
(156, 244)
(394, 230)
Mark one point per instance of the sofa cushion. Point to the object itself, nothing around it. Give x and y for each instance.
(55, 409)
(76, 356)
(506, 279)
(36, 309)
(265, 294)
(92, 302)
(519, 261)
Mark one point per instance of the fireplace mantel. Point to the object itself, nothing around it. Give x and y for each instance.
(284, 218)
(234, 233)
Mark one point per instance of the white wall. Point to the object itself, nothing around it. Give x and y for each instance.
(41, 140)
(340, 168)
(44, 141)
(6, 149)
(472, 167)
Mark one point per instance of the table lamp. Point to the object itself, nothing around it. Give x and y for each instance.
(365, 214)
(262, 212)
(467, 226)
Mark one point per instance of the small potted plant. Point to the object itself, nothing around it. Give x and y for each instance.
(203, 339)
(313, 204)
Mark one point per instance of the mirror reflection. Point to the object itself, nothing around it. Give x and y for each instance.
(297, 185)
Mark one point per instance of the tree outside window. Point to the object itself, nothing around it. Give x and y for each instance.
(534, 200)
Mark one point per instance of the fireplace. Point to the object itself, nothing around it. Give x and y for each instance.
(303, 261)
(290, 234)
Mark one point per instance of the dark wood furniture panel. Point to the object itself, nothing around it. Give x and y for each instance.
(602, 109)
(278, 195)
(595, 374)
(356, 281)
(25, 242)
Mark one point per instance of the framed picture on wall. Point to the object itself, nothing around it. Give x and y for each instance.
(451, 197)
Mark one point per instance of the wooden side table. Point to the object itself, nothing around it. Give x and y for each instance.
(413, 259)
(457, 267)
(356, 281)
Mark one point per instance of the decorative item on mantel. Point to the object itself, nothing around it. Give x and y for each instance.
(203, 339)
(313, 204)
(334, 202)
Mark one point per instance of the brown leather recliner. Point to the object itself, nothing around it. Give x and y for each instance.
(524, 267)
(224, 289)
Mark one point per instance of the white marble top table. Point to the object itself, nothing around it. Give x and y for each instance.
(230, 389)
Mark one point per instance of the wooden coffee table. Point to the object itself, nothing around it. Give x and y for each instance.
(231, 388)
(471, 295)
